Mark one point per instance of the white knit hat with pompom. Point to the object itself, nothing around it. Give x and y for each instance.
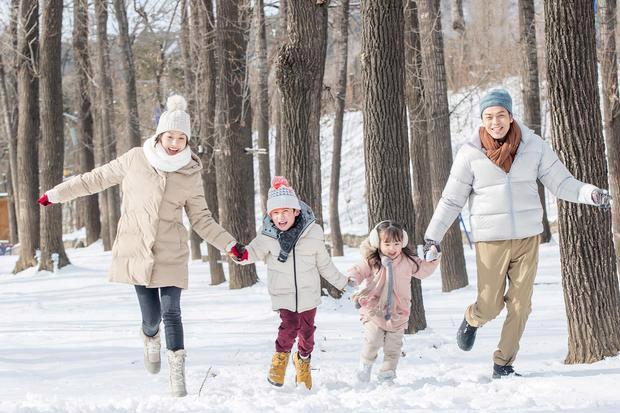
(175, 118)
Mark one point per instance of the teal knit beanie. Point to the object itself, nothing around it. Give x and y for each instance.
(496, 97)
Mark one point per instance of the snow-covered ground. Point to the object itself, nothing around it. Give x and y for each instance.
(69, 344)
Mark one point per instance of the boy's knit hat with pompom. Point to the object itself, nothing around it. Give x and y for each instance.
(281, 195)
(175, 118)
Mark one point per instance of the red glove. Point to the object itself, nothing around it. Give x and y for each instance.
(44, 201)
(239, 251)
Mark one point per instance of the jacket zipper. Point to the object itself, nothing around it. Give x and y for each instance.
(295, 278)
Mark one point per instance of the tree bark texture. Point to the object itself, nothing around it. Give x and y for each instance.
(300, 66)
(264, 174)
(234, 124)
(587, 256)
(611, 106)
(531, 89)
(90, 204)
(388, 182)
(132, 139)
(418, 145)
(106, 109)
(28, 134)
(52, 133)
(342, 50)
(207, 77)
(282, 35)
(453, 271)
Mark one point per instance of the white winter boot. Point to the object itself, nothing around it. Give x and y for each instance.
(386, 377)
(152, 347)
(176, 364)
(363, 372)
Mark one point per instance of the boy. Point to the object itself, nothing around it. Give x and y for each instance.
(293, 247)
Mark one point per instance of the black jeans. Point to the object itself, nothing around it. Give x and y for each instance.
(169, 308)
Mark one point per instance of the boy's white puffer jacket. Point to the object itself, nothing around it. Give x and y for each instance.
(504, 205)
(296, 284)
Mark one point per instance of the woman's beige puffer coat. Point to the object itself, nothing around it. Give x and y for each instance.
(150, 248)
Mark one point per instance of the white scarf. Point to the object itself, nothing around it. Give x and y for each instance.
(159, 159)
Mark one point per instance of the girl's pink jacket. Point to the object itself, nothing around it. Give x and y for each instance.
(372, 292)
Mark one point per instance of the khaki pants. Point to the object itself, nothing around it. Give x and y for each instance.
(498, 261)
(392, 342)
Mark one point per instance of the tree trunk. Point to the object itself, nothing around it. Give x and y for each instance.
(264, 174)
(418, 145)
(9, 130)
(300, 65)
(28, 134)
(342, 50)
(385, 125)
(611, 106)
(106, 109)
(589, 274)
(90, 204)
(189, 78)
(207, 76)
(531, 90)
(11, 92)
(52, 133)
(282, 23)
(129, 73)
(453, 271)
(235, 167)
(299, 71)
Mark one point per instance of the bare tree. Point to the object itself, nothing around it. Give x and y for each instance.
(418, 145)
(299, 71)
(453, 271)
(235, 182)
(282, 23)
(52, 134)
(10, 129)
(531, 90)
(341, 40)
(611, 105)
(207, 79)
(90, 204)
(388, 182)
(106, 110)
(264, 174)
(587, 256)
(129, 73)
(28, 133)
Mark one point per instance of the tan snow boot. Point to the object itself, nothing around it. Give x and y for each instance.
(279, 361)
(302, 371)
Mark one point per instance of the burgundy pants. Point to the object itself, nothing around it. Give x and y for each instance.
(295, 325)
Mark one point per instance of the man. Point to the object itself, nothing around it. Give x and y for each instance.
(497, 171)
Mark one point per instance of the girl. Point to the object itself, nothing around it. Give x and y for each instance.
(150, 251)
(385, 311)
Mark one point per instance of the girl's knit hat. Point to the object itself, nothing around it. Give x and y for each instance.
(175, 118)
(281, 195)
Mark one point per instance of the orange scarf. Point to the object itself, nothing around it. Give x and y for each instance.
(502, 151)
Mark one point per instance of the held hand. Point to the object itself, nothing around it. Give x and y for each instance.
(44, 201)
(431, 249)
(351, 282)
(601, 198)
(238, 252)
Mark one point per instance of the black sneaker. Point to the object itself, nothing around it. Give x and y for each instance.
(503, 371)
(466, 336)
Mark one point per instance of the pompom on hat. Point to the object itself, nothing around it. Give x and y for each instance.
(175, 118)
(281, 195)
